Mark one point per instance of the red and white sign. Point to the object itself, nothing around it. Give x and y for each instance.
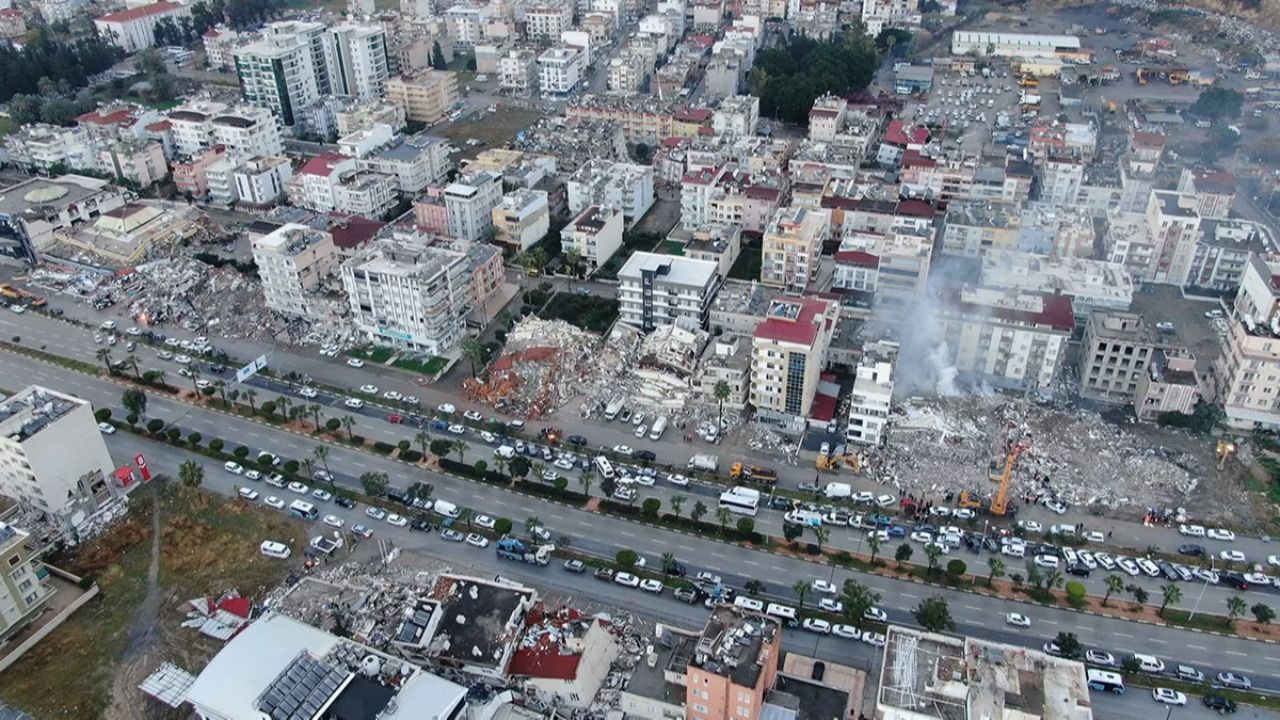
(141, 462)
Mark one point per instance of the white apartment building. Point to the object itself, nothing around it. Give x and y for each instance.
(544, 21)
(872, 395)
(656, 290)
(595, 234)
(792, 245)
(292, 260)
(1061, 179)
(218, 45)
(736, 116)
(880, 14)
(892, 267)
(286, 70)
(1247, 371)
(789, 351)
(560, 69)
(518, 72)
(469, 205)
(243, 130)
(626, 73)
(358, 60)
(622, 185)
(1006, 338)
(40, 147)
(336, 182)
(522, 219)
(416, 162)
(260, 181)
(38, 429)
(1173, 224)
(134, 29)
(23, 591)
(54, 10)
(427, 95)
(466, 25)
(408, 294)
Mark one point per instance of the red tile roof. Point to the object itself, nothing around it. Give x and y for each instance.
(350, 231)
(10, 12)
(1055, 311)
(913, 158)
(141, 12)
(544, 660)
(160, 126)
(823, 408)
(802, 330)
(916, 208)
(896, 135)
(1215, 181)
(112, 118)
(857, 257)
(1148, 139)
(763, 193)
(698, 115)
(322, 165)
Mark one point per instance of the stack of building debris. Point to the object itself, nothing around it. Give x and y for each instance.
(220, 619)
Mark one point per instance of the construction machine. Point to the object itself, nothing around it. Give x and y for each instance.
(1000, 504)
(832, 463)
(753, 474)
(970, 501)
(13, 293)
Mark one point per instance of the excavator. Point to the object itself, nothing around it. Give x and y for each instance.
(12, 293)
(832, 463)
(1000, 504)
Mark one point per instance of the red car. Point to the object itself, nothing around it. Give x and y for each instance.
(395, 419)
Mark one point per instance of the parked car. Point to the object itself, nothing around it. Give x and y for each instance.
(575, 566)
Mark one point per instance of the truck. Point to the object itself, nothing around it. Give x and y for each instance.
(613, 408)
(705, 463)
(753, 473)
(510, 548)
(325, 545)
(659, 426)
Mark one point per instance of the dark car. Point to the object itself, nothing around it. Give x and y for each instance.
(675, 569)
(1192, 550)
(1220, 704)
(1078, 569)
(605, 574)
(645, 455)
(417, 420)
(688, 595)
(780, 502)
(397, 495)
(1168, 571)
(421, 526)
(927, 528)
(1235, 580)
(439, 425)
(344, 501)
(576, 440)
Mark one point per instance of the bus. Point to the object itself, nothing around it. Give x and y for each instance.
(1105, 681)
(741, 500)
(747, 603)
(303, 509)
(782, 612)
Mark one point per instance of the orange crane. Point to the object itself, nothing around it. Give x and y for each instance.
(1000, 504)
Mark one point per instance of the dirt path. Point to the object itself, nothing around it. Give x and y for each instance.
(135, 663)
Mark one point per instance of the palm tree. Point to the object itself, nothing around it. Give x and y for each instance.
(1114, 584)
(321, 454)
(668, 562)
(1053, 579)
(195, 377)
(801, 588)
(191, 474)
(283, 404)
(933, 551)
(423, 438)
(104, 354)
(699, 509)
(309, 466)
(723, 515)
(820, 537)
(314, 409)
(349, 423)
(677, 503)
(1235, 608)
(459, 447)
(530, 523)
(133, 361)
(465, 514)
(995, 569)
(473, 351)
(584, 479)
(721, 392)
(573, 261)
(874, 542)
(1170, 594)
(250, 394)
(534, 260)
(221, 385)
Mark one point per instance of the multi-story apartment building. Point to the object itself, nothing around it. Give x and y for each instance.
(892, 268)
(1128, 242)
(735, 661)
(286, 70)
(1247, 371)
(260, 182)
(415, 162)
(872, 395)
(427, 95)
(466, 25)
(624, 186)
(657, 290)
(244, 131)
(134, 29)
(522, 219)
(218, 43)
(469, 203)
(1170, 385)
(1114, 355)
(1222, 254)
(560, 69)
(518, 72)
(292, 260)
(335, 182)
(137, 161)
(43, 147)
(736, 116)
(1061, 177)
(880, 14)
(23, 591)
(595, 234)
(1214, 191)
(791, 247)
(358, 62)
(406, 293)
(544, 21)
(940, 179)
(627, 72)
(789, 351)
(37, 469)
(1006, 338)
(1173, 224)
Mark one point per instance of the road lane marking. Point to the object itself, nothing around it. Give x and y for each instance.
(626, 533)
(972, 607)
(910, 595)
(1157, 641)
(750, 562)
(1049, 622)
(1267, 657)
(1123, 635)
(1233, 652)
(1201, 647)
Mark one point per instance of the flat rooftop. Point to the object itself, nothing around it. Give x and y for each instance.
(670, 269)
(479, 620)
(33, 409)
(730, 644)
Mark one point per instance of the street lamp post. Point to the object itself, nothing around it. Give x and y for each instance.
(1203, 587)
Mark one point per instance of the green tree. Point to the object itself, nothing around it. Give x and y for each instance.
(1170, 595)
(374, 483)
(699, 509)
(934, 615)
(956, 569)
(723, 515)
(754, 588)
(858, 600)
(792, 532)
(1263, 613)
(1068, 645)
(801, 588)
(321, 455)
(995, 569)
(1235, 608)
(902, 554)
(441, 447)
(1130, 665)
(1218, 102)
(437, 56)
(1114, 584)
(191, 474)
(746, 527)
(519, 466)
(502, 526)
(1139, 594)
(626, 558)
(721, 392)
(460, 447)
(932, 552)
(104, 354)
(134, 401)
(820, 536)
(250, 394)
(473, 351)
(584, 479)
(650, 507)
(677, 503)
(668, 563)
(875, 543)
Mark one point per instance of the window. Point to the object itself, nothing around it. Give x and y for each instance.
(699, 708)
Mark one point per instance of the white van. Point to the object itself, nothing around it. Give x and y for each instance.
(1062, 529)
(748, 603)
(506, 452)
(838, 490)
(1149, 663)
(274, 549)
(659, 426)
(602, 465)
(446, 508)
(783, 612)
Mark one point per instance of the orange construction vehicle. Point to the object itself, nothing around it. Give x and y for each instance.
(1000, 504)
(753, 474)
(13, 293)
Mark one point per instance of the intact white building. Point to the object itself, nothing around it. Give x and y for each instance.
(469, 205)
(560, 69)
(286, 70)
(656, 290)
(406, 293)
(595, 234)
(518, 72)
(260, 181)
(544, 21)
(1006, 338)
(736, 116)
(292, 260)
(466, 25)
(522, 219)
(1247, 371)
(872, 395)
(621, 185)
(357, 58)
(336, 182)
(416, 162)
(1021, 45)
(134, 29)
(38, 429)
(243, 130)
(41, 147)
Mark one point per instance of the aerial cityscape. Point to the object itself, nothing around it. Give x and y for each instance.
(639, 359)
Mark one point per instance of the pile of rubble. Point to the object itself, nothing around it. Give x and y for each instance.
(181, 290)
(944, 446)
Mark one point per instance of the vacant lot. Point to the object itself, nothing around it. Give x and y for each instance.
(493, 129)
(208, 544)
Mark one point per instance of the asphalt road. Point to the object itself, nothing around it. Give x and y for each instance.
(370, 422)
(976, 615)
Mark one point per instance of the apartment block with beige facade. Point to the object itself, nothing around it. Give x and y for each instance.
(789, 351)
(292, 260)
(1114, 355)
(1170, 385)
(792, 246)
(426, 95)
(1246, 374)
(23, 590)
(522, 219)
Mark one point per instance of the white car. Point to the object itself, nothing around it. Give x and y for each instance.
(252, 475)
(392, 395)
(817, 625)
(1095, 536)
(1047, 561)
(940, 511)
(473, 416)
(376, 513)
(164, 354)
(875, 614)
(626, 579)
(653, 586)
(1192, 530)
(678, 480)
(353, 403)
(824, 586)
(488, 437)
(485, 521)
(274, 502)
(1168, 696)
(446, 409)
(456, 429)
(922, 537)
(873, 639)
(1098, 657)
(355, 362)
(1030, 526)
(563, 464)
(397, 520)
(334, 521)
(299, 488)
(963, 514)
(863, 497)
(369, 389)
(1232, 556)
(1273, 560)
(309, 393)
(1018, 620)
(1256, 578)
(1222, 534)
(322, 495)
(645, 480)
(831, 605)
(107, 428)
(248, 493)
(477, 540)
(182, 359)
(134, 331)
(202, 383)
(622, 450)
(847, 632)
(1129, 566)
(886, 501)
(232, 467)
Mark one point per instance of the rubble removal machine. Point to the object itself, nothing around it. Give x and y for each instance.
(510, 548)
